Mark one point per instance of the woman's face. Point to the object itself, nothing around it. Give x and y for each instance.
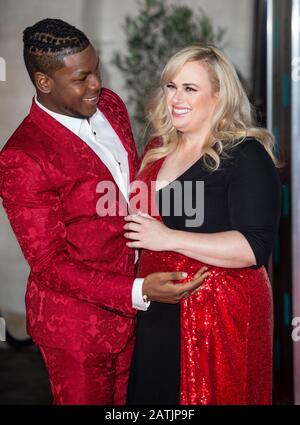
(190, 99)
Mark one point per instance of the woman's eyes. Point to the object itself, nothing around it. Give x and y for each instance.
(190, 89)
(187, 88)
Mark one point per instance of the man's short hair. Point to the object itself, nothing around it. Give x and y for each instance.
(46, 44)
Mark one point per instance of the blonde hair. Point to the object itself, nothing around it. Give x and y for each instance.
(232, 121)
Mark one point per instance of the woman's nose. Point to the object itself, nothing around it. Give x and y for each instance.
(178, 96)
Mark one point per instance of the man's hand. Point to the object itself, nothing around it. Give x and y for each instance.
(159, 287)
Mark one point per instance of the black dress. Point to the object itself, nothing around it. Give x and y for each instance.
(244, 195)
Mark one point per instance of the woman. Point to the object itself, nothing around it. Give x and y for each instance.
(216, 347)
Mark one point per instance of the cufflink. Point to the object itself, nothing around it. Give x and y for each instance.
(145, 298)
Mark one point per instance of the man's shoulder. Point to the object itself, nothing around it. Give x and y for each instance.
(21, 133)
(25, 138)
(110, 98)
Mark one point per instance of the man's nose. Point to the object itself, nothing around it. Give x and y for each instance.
(95, 82)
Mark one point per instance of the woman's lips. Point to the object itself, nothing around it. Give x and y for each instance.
(180, 112)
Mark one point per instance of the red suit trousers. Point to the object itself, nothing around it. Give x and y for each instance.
(79, 378)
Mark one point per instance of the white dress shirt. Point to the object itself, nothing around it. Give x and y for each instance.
(103, 140)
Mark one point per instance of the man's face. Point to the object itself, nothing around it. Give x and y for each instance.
(75, 88)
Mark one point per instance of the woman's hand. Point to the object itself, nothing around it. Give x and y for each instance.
(146, 232)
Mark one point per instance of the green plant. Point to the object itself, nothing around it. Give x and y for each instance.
(152, 37)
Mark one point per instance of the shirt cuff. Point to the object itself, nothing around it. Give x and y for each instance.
(136, 256)
(137, 295)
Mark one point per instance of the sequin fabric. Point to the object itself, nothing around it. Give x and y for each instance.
(226, 329)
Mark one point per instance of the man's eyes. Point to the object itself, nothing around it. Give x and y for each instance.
(79, 80)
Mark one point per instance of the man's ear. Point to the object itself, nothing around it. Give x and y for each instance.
(43, 82)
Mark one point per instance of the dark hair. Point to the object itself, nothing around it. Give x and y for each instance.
(46, 44)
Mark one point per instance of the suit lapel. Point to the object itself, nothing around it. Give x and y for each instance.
(63, 137)
(120, 123)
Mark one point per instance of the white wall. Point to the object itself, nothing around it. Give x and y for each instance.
(15, 95)
(102, 21)
(234, 15)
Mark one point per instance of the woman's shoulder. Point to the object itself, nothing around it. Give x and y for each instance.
(250, 158)
(247, 145)
(249, 149)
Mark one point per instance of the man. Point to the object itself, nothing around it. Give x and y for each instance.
(81, 296)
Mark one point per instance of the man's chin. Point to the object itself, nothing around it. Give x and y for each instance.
(83, 114)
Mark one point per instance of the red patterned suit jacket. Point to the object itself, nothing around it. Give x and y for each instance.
(79, 289)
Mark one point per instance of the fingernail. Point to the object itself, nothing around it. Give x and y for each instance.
(184, 274)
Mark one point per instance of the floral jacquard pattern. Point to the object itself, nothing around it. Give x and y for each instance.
(79, 289)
